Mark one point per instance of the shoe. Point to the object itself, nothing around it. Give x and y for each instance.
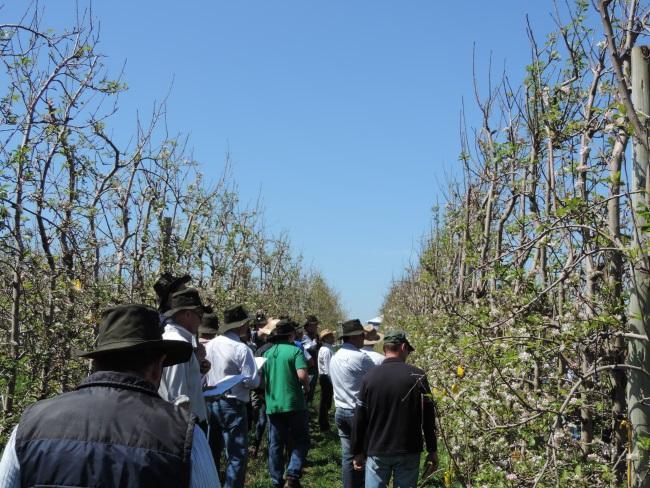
(292, 482)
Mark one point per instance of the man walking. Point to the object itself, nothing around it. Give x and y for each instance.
(181, 384)
(287, 383)
(113, 430)
(229, 356)
(325, 354)
(347, 367)
(394, 413)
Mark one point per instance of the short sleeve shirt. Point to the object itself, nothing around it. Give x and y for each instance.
(283, 389)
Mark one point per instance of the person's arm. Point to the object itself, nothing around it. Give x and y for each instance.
(359, 428)
(249, 368)
(429, 425)
(303, 376)
(204, 472)
(9, 465)
(301, 370)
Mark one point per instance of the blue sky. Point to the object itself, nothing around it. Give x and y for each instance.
(343, 115)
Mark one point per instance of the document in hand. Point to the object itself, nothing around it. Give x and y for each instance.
(226, 384)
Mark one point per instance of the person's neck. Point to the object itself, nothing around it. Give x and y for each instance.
(398, 357)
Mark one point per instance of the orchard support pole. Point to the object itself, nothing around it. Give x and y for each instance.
(638, 386)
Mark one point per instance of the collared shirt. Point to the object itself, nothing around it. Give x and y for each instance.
(203, 473)
(347, 367)
(325, 354)
(230, 356)
(183, 378)
(376, 357)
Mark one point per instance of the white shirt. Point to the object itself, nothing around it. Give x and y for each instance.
(230, 356)
(183, 378)
(347, 367)
(325, 354)
(203, 473)
(376, 357)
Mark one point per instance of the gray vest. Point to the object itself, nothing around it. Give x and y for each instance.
(112, 431)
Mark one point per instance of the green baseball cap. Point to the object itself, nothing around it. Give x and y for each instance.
(397, 337)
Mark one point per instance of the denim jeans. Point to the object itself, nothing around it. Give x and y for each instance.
(406, 469)
(287, 428)
(229, 429)
(344, 419)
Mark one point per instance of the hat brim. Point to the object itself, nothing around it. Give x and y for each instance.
(203, 329)
(223, 328)
(372, 342)
(350, 334)
(176, 352)
(174, 311)
(408, 345)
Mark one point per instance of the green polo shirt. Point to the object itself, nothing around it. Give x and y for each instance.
(283, 389)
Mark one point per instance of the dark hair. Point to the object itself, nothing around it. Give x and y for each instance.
(133, 361)
(392, 347)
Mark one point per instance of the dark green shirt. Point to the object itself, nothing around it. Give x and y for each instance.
(283, 389)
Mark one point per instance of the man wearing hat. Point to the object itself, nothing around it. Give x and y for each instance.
(394, 398)
(208, 330)
(347, 367)
(287, 383)
(370, 338)
(181, 383)
(166, 285)
(325, 354)
(113, 430)
(228, 415)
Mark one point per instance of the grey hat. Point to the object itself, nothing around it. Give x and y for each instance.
(351, 328)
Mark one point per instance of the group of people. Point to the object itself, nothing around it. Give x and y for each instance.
(151, 413)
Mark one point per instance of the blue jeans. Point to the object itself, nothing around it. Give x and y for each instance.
(287, 429)
(229, 429)
(406, 469)
(344, 419)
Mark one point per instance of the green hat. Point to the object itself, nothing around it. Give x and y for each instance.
(187, 299)
(233, 318)
(209, 322)
(397, 337)
(136, 328)
(351, 328)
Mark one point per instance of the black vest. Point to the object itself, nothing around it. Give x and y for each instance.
(113, 431)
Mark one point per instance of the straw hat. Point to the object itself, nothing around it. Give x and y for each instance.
(371, 336)
(271, 323)
(326, 332)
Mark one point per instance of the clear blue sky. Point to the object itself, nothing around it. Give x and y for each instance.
(342, 114)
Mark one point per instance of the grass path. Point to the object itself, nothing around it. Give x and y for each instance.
(323, 467)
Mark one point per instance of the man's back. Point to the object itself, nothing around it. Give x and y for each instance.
(112, 431)
(283, 390)
(393, 395)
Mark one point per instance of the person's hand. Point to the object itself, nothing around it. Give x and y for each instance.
(358, 462)
(431, 464)
(205, 366)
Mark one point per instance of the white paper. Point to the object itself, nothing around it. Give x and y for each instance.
(225, 385)
(260, 362)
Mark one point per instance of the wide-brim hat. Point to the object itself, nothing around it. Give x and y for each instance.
(283, 329)
(234, 318)
(351, 328)
(325, 332)
(167, 284)
(209, 322)
(187, 299)
(132, 328)
(311, 320)
(371, 336)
